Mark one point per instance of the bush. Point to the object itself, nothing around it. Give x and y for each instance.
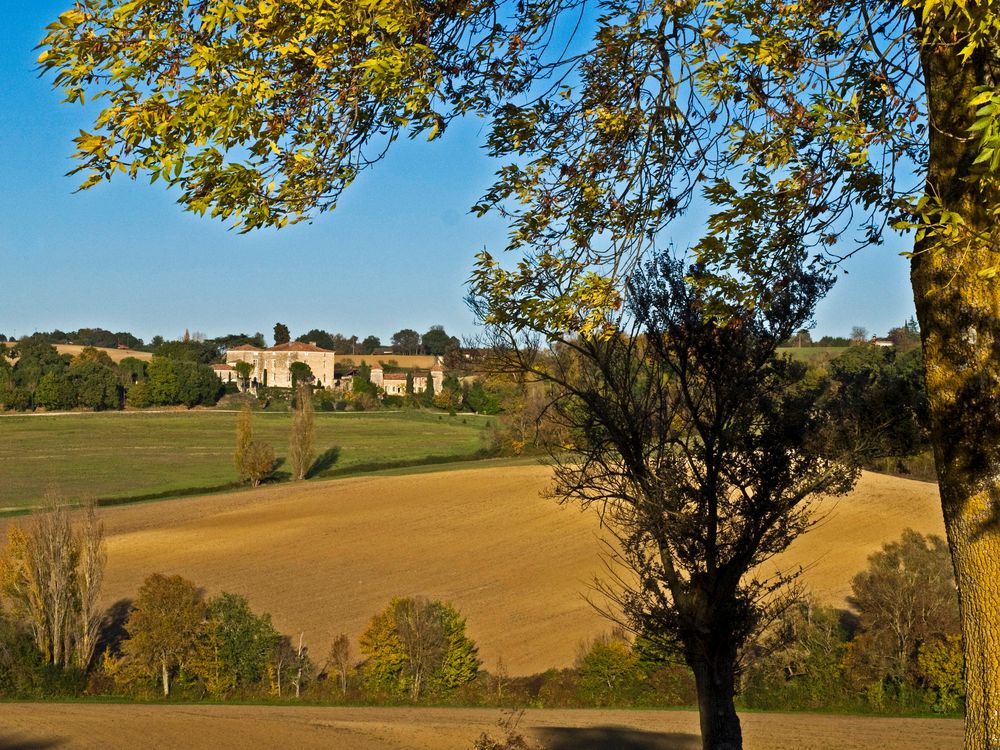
(258, 462)
(942, 669)
(324, 400)
(608, 673)
(139, 395)
(54, 391)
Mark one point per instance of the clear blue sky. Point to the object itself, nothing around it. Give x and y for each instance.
(396, 252)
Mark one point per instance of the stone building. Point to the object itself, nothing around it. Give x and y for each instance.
(394, 383)
(271, 367)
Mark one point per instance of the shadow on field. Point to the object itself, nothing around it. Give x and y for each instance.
(112, 631)
(614, 738)
(20, 742)
(324, 462)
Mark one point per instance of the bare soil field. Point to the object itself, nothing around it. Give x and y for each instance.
(323, 557)
(117, 355)
(107, 727)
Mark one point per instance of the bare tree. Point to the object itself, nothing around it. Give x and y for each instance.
(301, 442)
(421, 631)
(700, 448)
(859, 335)
(52, 574)
(89, 579)
(340, 660)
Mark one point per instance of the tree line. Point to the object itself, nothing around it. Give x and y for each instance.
(895, 650)
(171, 638)
(434, 341)
(40, 377)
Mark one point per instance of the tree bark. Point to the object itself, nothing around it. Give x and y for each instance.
(714, 668)
(959, 315)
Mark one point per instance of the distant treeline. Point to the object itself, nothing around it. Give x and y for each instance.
(35, 375)
(87, 337)
(435, 341)
(904, 338)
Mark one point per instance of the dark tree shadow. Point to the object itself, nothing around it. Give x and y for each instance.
(614, 738)
(849, 621)
(112, 631)
(324, 462)
(20, 742)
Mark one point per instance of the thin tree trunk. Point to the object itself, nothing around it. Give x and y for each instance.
(165, 673)
(298, 677)
(959, 315)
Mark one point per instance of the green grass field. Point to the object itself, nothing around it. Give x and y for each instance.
(118, 457)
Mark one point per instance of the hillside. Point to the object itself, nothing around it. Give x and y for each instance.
(116, 354)
(323, 557)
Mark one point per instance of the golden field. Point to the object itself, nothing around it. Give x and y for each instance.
(323, 556)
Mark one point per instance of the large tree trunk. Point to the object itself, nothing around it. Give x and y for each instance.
(714, 667)
(959, 316)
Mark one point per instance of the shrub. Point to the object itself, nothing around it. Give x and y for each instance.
(54, 391)
(139, 395)
(942, 669)
(511, 737)
(608, 672)
(259, 462)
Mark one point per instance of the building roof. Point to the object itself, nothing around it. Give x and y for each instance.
(298, 346)
(218, 367)
(245, 348)
(437, 367)
(394, 376)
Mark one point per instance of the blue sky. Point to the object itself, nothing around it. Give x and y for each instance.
(396, 252)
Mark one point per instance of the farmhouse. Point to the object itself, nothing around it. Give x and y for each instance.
(271, 367)
(394, 383)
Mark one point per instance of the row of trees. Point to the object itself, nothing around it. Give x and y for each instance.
(406, 341)
(41, 377)
(896, 649)
(54, 638)
(197, 347)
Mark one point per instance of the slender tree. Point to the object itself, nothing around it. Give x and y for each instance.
(244, 439)
(341, 660)
(51, 572)
(302, 440)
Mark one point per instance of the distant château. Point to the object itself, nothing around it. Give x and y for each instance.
(272, 366)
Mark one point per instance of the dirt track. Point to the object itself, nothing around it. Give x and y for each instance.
(108, 727)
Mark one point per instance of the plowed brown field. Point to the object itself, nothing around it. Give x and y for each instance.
(104, 727)
(323, 557)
